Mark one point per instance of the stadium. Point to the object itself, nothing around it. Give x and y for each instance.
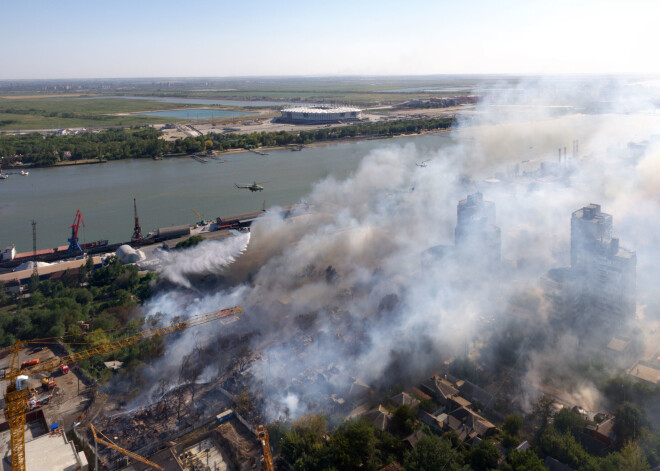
(319, 114)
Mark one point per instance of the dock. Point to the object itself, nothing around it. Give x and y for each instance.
(257, 151)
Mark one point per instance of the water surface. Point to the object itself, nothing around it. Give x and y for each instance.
(168, 191)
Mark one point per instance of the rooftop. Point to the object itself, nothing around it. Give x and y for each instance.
(53, 452)
(645, 372)
(322, 109)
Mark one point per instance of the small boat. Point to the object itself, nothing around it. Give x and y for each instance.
(3, 176)
(24, 173)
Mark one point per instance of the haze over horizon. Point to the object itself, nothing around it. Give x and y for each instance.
(229, 39)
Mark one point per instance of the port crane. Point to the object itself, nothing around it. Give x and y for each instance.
(137, 231)
(109, 443)
(74, 246)
(17, 391)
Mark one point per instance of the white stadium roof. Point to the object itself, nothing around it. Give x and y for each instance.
(321, 110)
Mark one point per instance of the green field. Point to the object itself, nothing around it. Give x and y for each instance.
(71, 112)
(45, 106)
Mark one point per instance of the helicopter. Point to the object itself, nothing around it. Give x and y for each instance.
(254, 187)
(422, 164)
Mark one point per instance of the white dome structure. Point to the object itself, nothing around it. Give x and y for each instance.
(128, 254)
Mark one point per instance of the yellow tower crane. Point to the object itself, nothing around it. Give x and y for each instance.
(262, 436)
(107, 442)
(17, 391)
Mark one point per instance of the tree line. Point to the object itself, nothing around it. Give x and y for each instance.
(91, 307)
(145, 142)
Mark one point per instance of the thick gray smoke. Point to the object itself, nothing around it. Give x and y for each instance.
(347, 287)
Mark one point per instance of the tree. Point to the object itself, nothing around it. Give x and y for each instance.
(242, 358)
(484, 456)
(542, 410)
(512, 425)
(191, 369)
(34, 282)
(404, 419)
(353, 445)
(433, 454)
(568, 421)
(525, 461)
(628, 421)
(243, 402)
(303, 444)
(159, 395)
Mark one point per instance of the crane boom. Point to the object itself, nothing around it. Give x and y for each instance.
(15, 397)
(262, 436)
(121, 450)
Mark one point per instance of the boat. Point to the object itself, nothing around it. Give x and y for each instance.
(24, 173)
(3, 176)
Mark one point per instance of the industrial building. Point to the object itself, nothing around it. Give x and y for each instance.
(320, 114)
(607, 271)
(476, 234)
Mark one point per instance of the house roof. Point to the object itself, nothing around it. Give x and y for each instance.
(394, 466)
(554, 465)
(645, 371)
(358, 388)
(380, 417)
(473, 392)
(412, 439)
(604, 429)
(404, 399)
(439, 388)
(461, 401)
(419, 393)
(618, 344)
(469, 422)
(431, 420)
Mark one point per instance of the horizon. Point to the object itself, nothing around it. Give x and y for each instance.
(347, 76)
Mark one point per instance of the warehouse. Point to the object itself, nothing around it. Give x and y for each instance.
(320, 114)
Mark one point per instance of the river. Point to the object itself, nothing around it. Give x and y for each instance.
(168, 191)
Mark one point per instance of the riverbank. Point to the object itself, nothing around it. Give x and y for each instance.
(343, 140)
(259, 149)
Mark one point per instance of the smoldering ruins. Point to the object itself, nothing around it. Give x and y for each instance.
(508, 260)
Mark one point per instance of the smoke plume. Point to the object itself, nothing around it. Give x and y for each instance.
(346, 287)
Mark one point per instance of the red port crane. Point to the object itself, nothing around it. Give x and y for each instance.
(74, 246)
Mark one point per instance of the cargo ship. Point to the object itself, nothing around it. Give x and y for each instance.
(10, 259)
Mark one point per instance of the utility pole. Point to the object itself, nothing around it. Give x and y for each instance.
(35, 271)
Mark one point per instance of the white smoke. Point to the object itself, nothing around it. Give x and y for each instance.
(349, 289)
(207, 257)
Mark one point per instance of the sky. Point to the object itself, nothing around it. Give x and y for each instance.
(207, 38)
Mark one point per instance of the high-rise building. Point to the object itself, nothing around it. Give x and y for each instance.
(476, 235)
(606, 270)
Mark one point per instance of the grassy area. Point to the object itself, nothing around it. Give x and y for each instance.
(57, 113)
(45, 109)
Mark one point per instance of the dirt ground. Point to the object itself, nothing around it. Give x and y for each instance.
(264, 122)
(67, 401)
